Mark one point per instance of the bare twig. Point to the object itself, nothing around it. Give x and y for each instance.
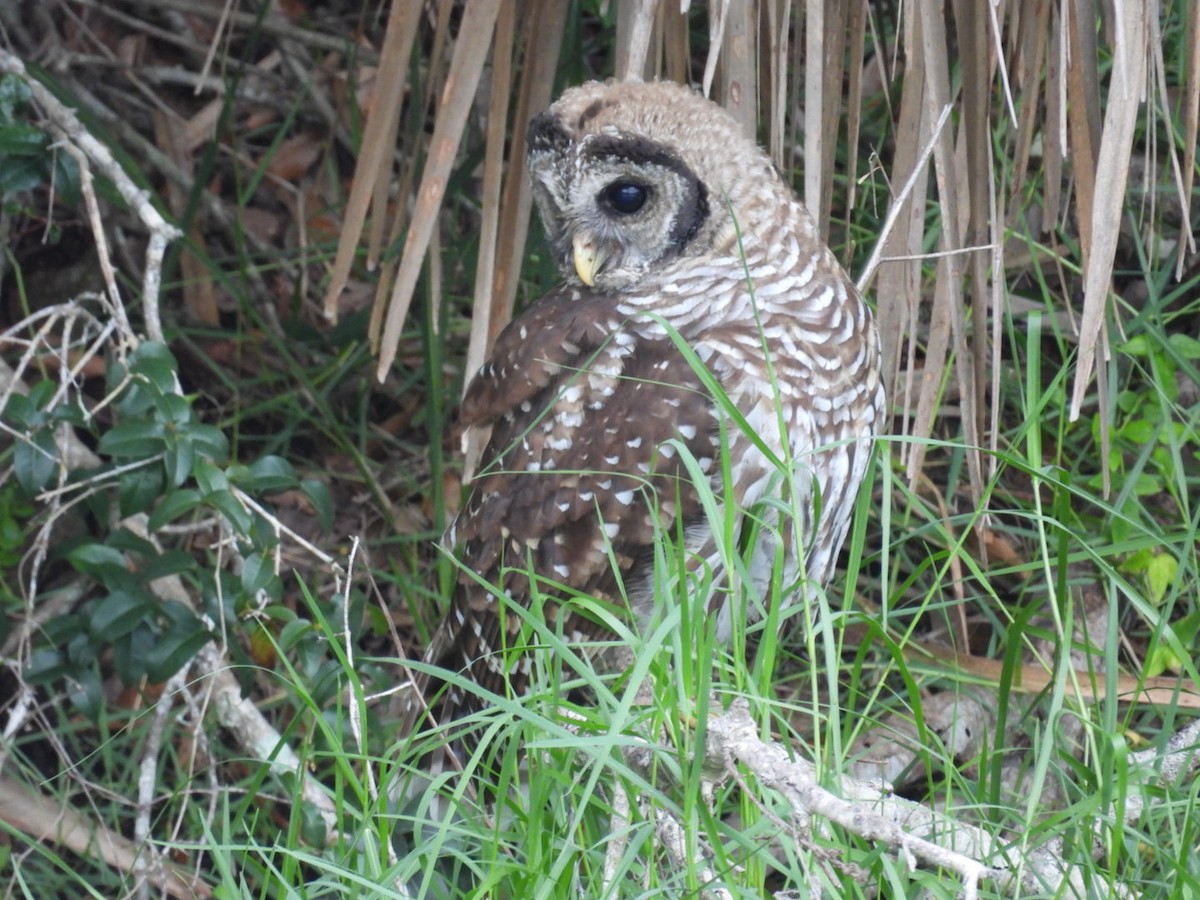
(45, 819)
(71, 131)
(149, 867)
(868, 812)
(673, 838)
(274, 23)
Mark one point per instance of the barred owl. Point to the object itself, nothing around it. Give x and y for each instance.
(671, 229)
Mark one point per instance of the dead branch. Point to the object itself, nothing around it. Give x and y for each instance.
(865, 810)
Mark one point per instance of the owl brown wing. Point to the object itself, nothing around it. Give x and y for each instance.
(577, 477)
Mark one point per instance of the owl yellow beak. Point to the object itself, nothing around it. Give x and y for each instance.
(587, 258)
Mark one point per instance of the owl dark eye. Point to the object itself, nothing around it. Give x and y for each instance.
(625, 197)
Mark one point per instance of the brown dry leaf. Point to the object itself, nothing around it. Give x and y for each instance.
(262, 647)
(738, 91)
(930, 42)
(199, 291)
(322, 220)
(265, 225)
(1083, 109)
(1191, 122)
(825, 48)
(1032, 44)
(977, 179)
(673, 25)
(856, 42)
(292, 159)
(201, 128)
(259, 117)
(1112, 170)
(82, 366)
(1054, 127)
(378, 143)
(544, 26)
(409, 518)
(898, 296)
(231, 354)
(479, 341)
(635, 22)
(1002, 553)
(295, 10)
(365, 84)
(399, 421)
(1031, 678)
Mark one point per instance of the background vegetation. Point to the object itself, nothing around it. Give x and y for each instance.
(218, 525)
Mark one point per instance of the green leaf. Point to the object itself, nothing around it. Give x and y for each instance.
(179, 459)
(135, 401)
(22, 413)
(278, 613)
(21, 173)
(1136, 346)
(169, 562)
(1185, 345)
(176, 614)
(1145, 485)
(42, 393)
(87, 693)
(60, 630)
(14, 95)
(127, 542)
(227, 505)
(1176, 433)
(313, 830)
(66, 179)
(175, 649)
(138, 439)
(1166, 380)
(318, 494)
(174, 505)
(1127, 402)
(1138, 431)
(154, 361)
(293, 632)
(1162, 658)
(257, 572)
(82, 649)
(270, 475)
(118, 614)
(1161, 572)
(35, 460)
(210, 442)
(139, 488)
(209, 478)
(129, 652)
(98, 560)
(69, 414)
(174, 409)
(22, 140)
(46, 664)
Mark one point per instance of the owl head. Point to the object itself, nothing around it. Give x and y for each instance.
(633, 178)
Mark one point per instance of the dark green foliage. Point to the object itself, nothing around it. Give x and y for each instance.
(27, 160)
(155, 457)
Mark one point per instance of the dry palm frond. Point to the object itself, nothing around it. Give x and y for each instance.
(1026, 70)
